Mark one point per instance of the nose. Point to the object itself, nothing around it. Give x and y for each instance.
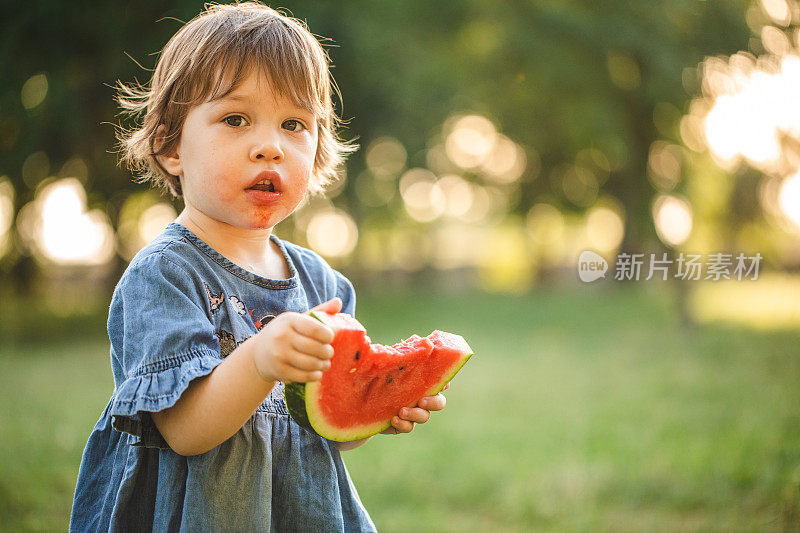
(267, 146)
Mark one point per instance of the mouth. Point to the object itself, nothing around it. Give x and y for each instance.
(267, 181)
(268, 187)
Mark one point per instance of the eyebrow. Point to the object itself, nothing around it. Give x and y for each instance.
(232, 98)
(245, 98)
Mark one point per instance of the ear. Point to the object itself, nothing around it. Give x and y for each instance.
(170, 162)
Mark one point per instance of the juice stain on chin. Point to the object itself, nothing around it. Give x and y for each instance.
(262, 218)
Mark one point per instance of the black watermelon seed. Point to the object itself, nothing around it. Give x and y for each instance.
(357, 355)
(389, 379)
(401, 368)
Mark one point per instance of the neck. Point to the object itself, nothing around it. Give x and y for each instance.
(250, 246)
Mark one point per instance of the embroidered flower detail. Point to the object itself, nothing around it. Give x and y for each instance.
(261, 322)
(214, 301)
(238, 305)
(227, 343)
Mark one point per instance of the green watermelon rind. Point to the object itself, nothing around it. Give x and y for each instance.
(306, 414)
(295, 396)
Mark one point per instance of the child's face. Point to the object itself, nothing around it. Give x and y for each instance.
(227, 145)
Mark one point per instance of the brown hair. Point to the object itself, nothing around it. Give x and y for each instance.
(206, 60)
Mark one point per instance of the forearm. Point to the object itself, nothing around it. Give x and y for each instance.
(352, 445)
(215, 406)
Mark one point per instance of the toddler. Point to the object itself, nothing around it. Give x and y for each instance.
(208, 321)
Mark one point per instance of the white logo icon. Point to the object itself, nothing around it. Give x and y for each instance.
(591, 266)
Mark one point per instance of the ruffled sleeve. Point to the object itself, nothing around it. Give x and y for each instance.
(162, 337)
(345, 291)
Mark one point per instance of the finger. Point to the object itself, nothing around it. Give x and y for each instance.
(307, 363)
(295, 375)
(334, 305)
(433, 403)
(311, 327)
(415, 414)
(402, 426)
(312, 347)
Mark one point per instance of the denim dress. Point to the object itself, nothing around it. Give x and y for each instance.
(179, 309)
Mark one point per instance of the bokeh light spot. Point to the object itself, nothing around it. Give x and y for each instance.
(332, 233)
(35, 168)
(789, 199)
(471, 140)
(423, 199)
(777, 10)
(545, 224)
(34, 91)
(6, 212)
(59, 230)
(624, 71)
(458, 195)
(506, 162)
(604, 229)
(673, 219)
(75, 167)
(750, 106)
(664, 165)
(386, 156)
(580, 185)
(154, 220)
(480, 206)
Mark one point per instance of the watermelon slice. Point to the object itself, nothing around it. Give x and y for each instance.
(367, 384)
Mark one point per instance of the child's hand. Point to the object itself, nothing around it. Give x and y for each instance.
(295, 346)
(334, 305)
(408, 416)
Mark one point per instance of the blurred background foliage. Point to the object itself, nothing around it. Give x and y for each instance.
(498, 141)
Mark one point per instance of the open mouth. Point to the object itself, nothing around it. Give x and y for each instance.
(267, 181)
(268, 187)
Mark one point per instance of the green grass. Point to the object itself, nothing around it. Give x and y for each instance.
(582, 410)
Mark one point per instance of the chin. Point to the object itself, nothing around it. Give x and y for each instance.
(262, 221)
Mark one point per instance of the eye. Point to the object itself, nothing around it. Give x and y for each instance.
(293, 125)
(234, 120)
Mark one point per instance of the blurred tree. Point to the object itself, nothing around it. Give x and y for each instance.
(558, 76)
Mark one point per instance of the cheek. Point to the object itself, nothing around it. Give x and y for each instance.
(307, 155)
(302, 174)
(299, 188)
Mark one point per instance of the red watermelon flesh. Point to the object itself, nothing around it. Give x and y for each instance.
(368, 383)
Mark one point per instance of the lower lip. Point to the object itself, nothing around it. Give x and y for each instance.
(262, 197)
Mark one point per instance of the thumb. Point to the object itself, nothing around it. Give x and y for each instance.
(334, 305)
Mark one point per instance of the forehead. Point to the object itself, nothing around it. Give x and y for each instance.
(249, 90)
(256, 87)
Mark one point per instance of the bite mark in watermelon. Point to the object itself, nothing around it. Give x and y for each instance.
(367, 384)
